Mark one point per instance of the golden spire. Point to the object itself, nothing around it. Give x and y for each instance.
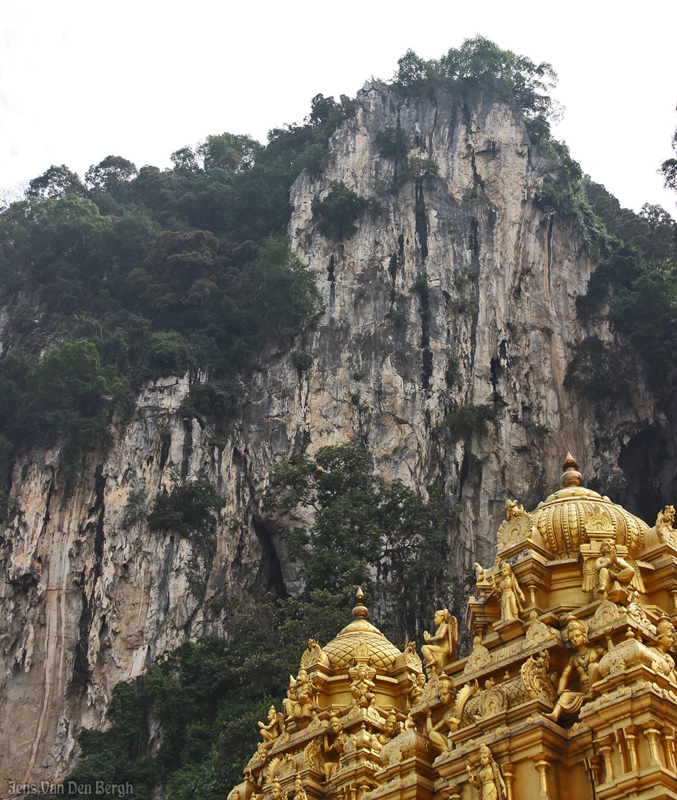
(360, 611)
(571, 476)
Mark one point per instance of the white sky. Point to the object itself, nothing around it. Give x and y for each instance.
(82, 80)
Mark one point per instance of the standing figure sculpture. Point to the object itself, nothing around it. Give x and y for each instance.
(508, 590)
(440, 649)
(612, 570)
(586, 663)
(489, 779)
(333, 746)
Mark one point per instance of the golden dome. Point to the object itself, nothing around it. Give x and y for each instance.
(363, 640)
(566, 517)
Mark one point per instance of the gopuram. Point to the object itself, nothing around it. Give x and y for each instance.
(570, 690)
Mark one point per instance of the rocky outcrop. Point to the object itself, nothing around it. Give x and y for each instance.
(461, 270)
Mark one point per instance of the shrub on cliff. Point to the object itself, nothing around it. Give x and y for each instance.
(338, 212)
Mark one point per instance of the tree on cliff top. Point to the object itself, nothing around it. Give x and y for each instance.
(480, 64)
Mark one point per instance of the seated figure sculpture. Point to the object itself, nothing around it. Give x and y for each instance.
(613, 572)
(362, 688)
(586, 663)
(275, 726)
(440, 648)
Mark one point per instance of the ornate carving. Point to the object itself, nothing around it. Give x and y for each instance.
(479, 658)
(490, 701)
(606, 614)
(508, 590)
(586, 663)
(412, 658)
(665, 522)
(537, 680)
(314, 655)
(313, 755)
(489, 778)
(440, 649)
(513, 510)
(516, 527)
(537, 632)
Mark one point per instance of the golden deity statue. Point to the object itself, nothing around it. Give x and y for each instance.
(570, 690)
(508, 589)
(489, 779)
(440, 648)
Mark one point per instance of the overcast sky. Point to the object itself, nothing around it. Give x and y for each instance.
(82, 80)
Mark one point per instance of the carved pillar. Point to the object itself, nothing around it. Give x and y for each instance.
(596, 770)
(542, 765)
(673, 594)
(669, 747)
(630, 734)
(606, 750)
(653, 734)
(509, 775)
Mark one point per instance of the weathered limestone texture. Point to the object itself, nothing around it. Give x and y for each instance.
(90, 595)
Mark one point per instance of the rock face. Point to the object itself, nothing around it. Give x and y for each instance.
(459, 273)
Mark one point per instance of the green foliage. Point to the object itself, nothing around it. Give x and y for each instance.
(416, 168)
(366, 532)
(54, 183)
(669, 167)
(211, 403)
(73, 394)
(159, 270)
(187, 510)
(302, 361)
(135, 508)
(599, 372)
(461, 421)
(206, 699)
(637, 281)
(392, 142)
(166, 353)
(338, 212)
(452, 374)
(480, 65)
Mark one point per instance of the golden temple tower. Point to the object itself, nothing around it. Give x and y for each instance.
(570, 690)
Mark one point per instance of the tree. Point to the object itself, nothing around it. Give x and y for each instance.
(338, 211)
(110, 174)
(366, 531)
(56, 182)
(229, 152)
(669, 167)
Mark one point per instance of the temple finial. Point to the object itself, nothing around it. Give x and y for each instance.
(360, 611)
(571, 476)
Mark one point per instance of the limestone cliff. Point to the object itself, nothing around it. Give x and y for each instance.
(90, 595)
